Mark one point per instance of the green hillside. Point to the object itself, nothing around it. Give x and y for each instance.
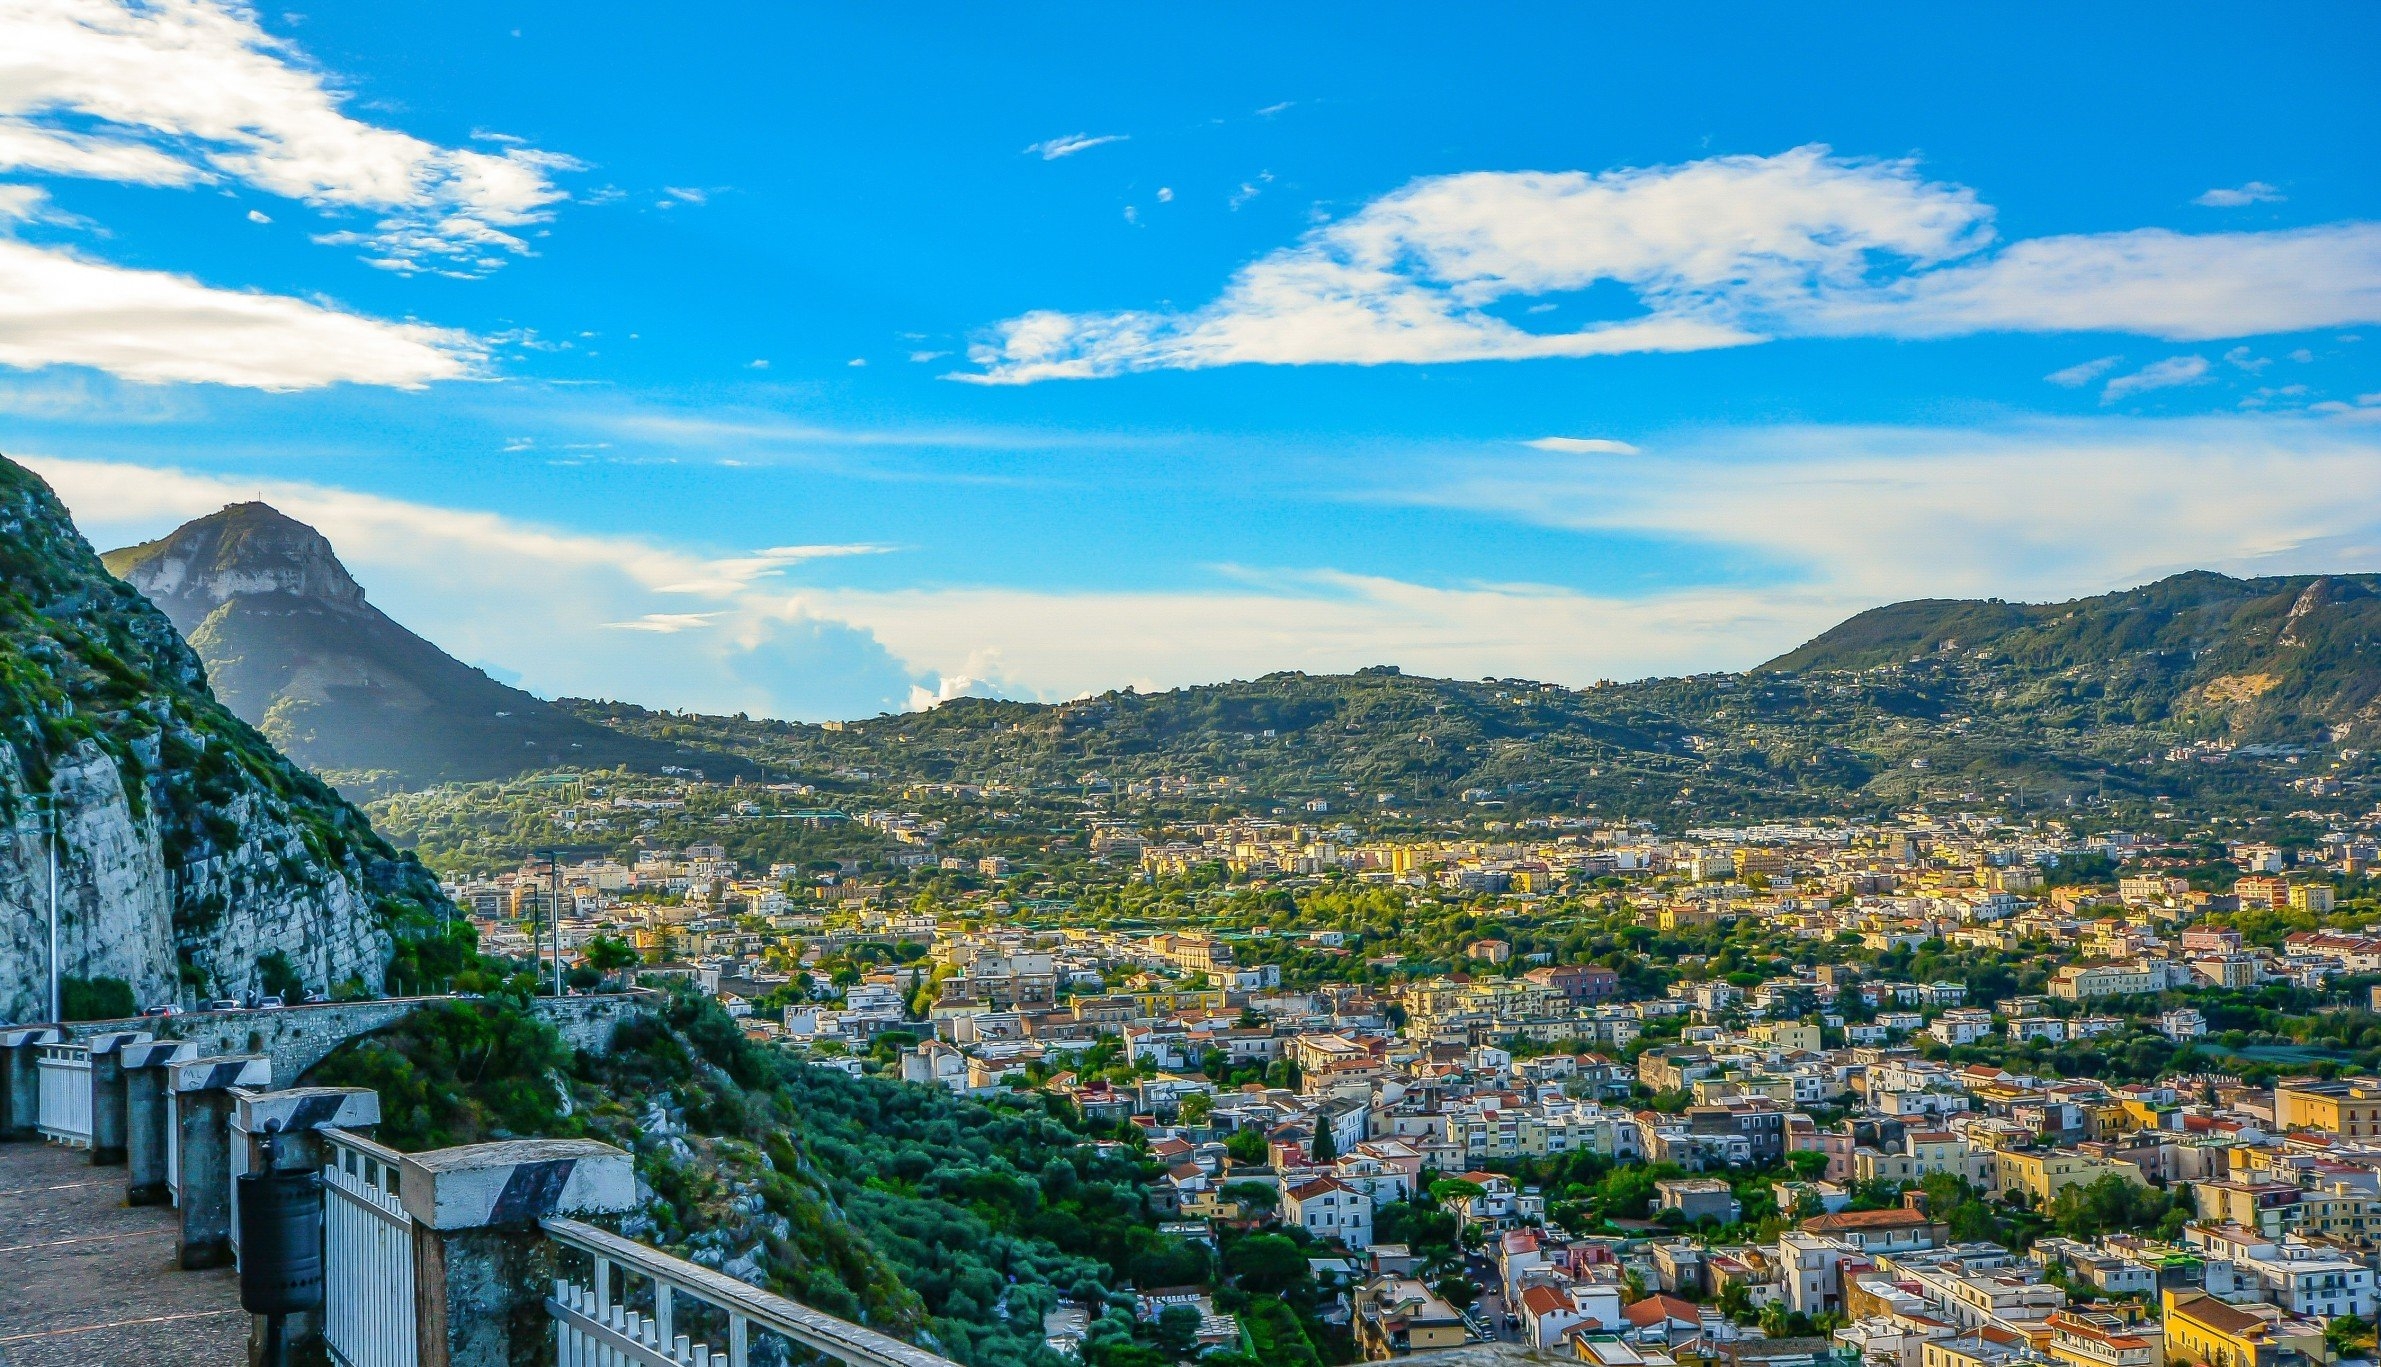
(2275, 660)
(1945, 700)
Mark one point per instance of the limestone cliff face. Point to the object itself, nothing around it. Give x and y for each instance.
(247, 550)
(188, 849)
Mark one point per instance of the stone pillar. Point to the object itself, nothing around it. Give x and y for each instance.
(293, 1117)
(202, 1113)
(20, 1078)
(292, 1120)
(107, 1093)
(148, 1110)
(482, 1268)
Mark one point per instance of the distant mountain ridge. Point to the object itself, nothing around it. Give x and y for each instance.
(1958, 700)
(292, 646)
(2266, 659)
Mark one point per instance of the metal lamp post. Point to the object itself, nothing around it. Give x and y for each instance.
(47, 805)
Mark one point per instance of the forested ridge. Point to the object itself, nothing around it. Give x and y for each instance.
(1951, 699)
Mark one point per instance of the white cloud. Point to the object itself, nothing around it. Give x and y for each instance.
(1052, 149)
(1165, 194)
(667, 623)
(1582, 446)
(1724, 252)
(2255, 192)
(58, 308)
(2046, 510)
(184, 92)
(2167, 374)
(1831, 520)
(2084, 372)
(574, 613)
(2241, 358)
(258, 216)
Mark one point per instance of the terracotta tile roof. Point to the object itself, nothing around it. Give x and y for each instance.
(1660, 1308)
(1864, 1219)
(1540, 1301)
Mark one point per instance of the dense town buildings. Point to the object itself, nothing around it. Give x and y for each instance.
(1807, 1111)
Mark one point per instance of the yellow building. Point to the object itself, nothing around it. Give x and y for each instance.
(2207, 1332)
(1787, 1035)
(2086, 1338)
(2078, 982)
(2044, 1173)
(1985, 1347)
(2349, 1107)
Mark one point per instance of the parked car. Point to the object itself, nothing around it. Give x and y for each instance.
(264, 1003)
(315, 999)
(163, 1009)
(221, 1004)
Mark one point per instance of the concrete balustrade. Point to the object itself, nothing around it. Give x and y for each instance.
(107, 1093)
(148, 1119)
(288, 1125)
(20, 1078)
(462, 1257)
(203, 1092)
(483, 1266)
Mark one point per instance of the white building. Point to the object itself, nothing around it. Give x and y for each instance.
(1328, 1208)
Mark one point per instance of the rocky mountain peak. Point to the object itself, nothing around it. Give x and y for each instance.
(246, 550)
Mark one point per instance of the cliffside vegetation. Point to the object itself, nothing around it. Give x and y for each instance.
(955, 1223)
(90, 672)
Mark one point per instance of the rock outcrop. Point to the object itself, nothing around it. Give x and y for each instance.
(292, 647)
(189, 851)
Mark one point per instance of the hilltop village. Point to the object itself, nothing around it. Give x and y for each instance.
(1941, 1091)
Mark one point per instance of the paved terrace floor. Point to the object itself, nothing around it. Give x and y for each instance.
(86, 1281)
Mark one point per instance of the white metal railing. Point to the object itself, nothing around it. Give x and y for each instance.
(65, 1094)
(367, 1252)
(594, 1326)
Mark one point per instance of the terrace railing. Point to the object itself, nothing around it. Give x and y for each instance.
(687, 1315)
(368, 1313)
(65, 1094)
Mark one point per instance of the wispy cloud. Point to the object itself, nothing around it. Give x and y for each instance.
(1726, 252)
(666, 623)
(2238, 196)
(1582, 446)
(1052, 149)
(1865, 515)
(191, 92)
(2241, 358)
(2084, 372)
(2170, 373)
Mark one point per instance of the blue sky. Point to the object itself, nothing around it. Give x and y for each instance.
(813, 362)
